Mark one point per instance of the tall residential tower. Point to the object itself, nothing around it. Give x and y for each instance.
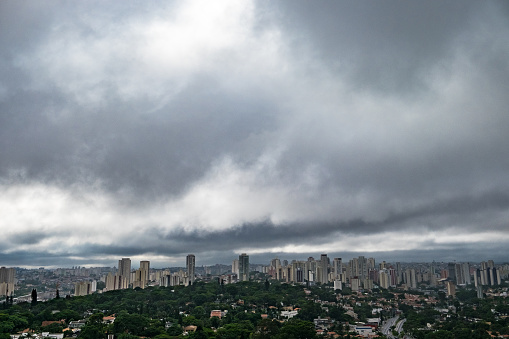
(190, 264)
(243, 267)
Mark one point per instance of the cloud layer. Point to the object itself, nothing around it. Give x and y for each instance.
(161, 129)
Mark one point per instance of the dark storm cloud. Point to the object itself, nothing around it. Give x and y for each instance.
(384, 46)
(267, 235)
(151, 154)
(31, 238)
(304, 124)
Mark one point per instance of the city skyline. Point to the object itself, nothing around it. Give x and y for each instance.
(157, 129)
(356, 273)
(190, 260)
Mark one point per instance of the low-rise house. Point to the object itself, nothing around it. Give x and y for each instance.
(109, 319)
(289, 314)
(218, 313)
(77, 324)
(323, 323)
(52, 335)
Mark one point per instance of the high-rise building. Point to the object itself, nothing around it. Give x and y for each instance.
(124, 272)
(145, 267)
(324, 269)
(243, 267)
(399, 273)
(7, 281)
(337, 268)
(311, 269)
(84, 288)
(384, 279)
(451, 288)
(467, 278)
(190, 264)
(410, 278)
(458, 272)
(363, 267)
(298, 269)
(142, 275)
(7, 275)
(451, 271)
(235, 267)
(111, 282)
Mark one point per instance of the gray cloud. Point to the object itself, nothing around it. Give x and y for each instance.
(274, 127)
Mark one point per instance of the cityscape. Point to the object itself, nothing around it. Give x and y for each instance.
(334, 282)
(254, 169)
(357, 274)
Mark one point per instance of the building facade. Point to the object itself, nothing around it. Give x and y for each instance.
(190, 264)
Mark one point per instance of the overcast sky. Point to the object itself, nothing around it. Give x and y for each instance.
(152, 130)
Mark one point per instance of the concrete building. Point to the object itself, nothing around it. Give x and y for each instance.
(235, 267)
(324, 269)
(384, 279)
(141, 275)
(190, 265)
(84, 288)
(337, 268)
(145, 266)
(451, 288)
(7, 281)
(243, 267)
(124, 271)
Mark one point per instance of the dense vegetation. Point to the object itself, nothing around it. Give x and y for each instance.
(253, 310)
(468, 317)
(159, 312)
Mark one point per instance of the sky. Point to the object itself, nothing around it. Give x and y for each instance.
(286, 129)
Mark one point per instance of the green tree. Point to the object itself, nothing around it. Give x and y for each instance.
(266, 329)
(240, 330)
(297, 329)
(6, 326)
(174, 330)
(199, 312)
(92, 332)
(163, 336)
(54, 328)
(215, 322)
(34, 297)
(127, 336)
(130, 323)
(309, 311)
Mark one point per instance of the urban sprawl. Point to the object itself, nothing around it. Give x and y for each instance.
(414, 284)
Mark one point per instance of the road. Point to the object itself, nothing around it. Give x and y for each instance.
(398, 326)
(386, 326)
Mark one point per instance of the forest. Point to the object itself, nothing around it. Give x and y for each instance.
(252, 311)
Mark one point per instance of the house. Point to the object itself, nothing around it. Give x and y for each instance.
(52, 335)
(77, 324)
(109, 320)
(190, 328)
(217, 313)
(289, 314)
